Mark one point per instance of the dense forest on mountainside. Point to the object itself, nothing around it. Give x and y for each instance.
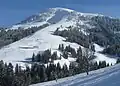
(9, 36)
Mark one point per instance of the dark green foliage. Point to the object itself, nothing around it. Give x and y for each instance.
(54, 56)
(93, 66)
(71, 50)
(33, 57)
(65, 55)
(102, 64)
(118, 61)
(113, 50)
(61, 47)
(39, 73)
(74, 35)
(104, 32)
(79, 52)
(10, 36)
(44, 57)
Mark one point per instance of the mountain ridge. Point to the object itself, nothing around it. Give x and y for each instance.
(47, 14)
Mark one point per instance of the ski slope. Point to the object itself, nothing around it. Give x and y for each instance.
(109, 76)
(20, 51)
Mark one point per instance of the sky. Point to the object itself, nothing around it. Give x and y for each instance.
(14, 11)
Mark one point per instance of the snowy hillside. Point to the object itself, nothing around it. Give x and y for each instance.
(39, 41)
(22, 50)
(102, 77)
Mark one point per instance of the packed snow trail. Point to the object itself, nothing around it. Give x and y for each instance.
(109, 76)
(97, 80)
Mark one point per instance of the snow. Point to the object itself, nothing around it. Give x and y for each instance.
(20, 51)
(28, 25)
(98, 48)
(108, 76)
(44, 17)
(102, 57)
(64, 61)
(65, 9)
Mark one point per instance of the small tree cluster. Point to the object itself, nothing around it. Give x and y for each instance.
(67, 51)
(44, 57)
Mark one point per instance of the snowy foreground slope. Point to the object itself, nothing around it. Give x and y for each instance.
(109, 76)
(22, 50)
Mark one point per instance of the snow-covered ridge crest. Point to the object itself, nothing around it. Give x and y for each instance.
(60, 8)
(51, 15)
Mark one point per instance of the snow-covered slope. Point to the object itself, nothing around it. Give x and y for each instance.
(109, 76)
(102, 57)
(22, 50)
(41, 40)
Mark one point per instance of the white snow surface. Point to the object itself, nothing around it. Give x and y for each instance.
(46, 16)
(109, 76)
(28, 25)
(102, 57)
(60, 8)
(23, 49)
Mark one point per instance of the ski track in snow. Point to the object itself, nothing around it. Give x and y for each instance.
(101, 77)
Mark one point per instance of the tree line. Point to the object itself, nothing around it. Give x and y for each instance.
(8, 36)
(38, 73)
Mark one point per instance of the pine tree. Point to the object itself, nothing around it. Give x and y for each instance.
(65, 55)
(33, 57)
(65, 70)
(54, 56)
(38, 58)
(16, 69)
(62, 47)
(58, 70)
(118, 61)
(79, 52)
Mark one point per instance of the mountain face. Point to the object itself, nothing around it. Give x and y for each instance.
(66, 27)
(98, 26)
(53, 15)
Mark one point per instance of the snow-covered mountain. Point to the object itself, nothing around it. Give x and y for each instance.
(52, 15)
(43, 39)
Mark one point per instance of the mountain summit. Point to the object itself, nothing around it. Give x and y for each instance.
(53, 15)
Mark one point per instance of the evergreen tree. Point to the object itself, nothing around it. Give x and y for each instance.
(65, 70)
(54, 56)
(16, 69)
(33, 57)
(118, 61)
(79, 52)
(65, 55)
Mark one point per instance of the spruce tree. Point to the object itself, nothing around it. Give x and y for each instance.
(33, 57)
